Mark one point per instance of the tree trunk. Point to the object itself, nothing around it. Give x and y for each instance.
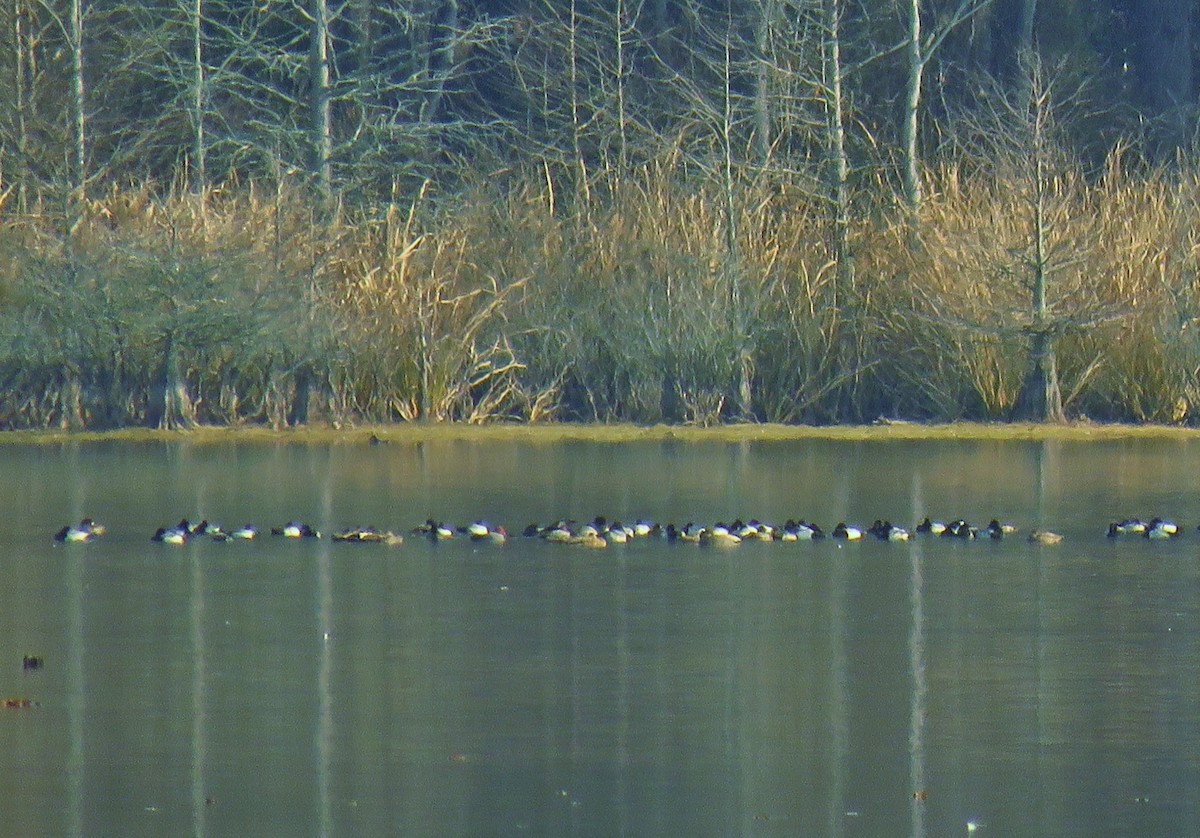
(71, 416)
(78, 186)
(1025, 29)
(762, 81)
(199, 165)
(1040, 399)
(179, 411)
(621, 70)
(322, 123)
(838, 162)
(20, 97)
(912, 104)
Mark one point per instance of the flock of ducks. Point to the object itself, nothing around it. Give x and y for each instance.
(600, 532)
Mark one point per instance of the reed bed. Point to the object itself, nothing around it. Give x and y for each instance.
(662, 295)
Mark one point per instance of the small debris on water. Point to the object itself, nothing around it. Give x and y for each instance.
(29, 662)
(17, 703)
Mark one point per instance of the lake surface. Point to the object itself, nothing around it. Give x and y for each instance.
(283, 687)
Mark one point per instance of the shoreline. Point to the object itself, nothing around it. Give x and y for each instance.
(548, 433)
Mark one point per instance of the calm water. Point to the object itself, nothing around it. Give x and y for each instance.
(284, 688)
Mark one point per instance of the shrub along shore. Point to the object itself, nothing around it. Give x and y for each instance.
(655, 298)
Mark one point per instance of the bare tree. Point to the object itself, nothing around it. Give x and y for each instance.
(1019, 144)
(920, 48)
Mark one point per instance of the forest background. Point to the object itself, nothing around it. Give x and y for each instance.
(684, 211)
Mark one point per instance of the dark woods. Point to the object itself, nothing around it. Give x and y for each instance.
(673, 210)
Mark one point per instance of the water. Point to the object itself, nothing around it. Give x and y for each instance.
(315, 688)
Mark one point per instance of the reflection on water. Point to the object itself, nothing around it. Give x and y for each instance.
(458, 689)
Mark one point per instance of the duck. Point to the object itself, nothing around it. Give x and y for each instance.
(1160, 529)
(175, 535)
(559, 532)
(997, 531)
(789, 532)
(1045, 537)
(753, 530)
(617, 534)
(588, 537)
(597, 526)
(368, 535)
(928, 527)
(475, 529)
(643, 528)
(800, 531)
(94, 529)
(205, 528)
(719, 535)
(848, 533)
(887, 531)
(435, 530)
(1129, 526)
(246, 532)
(85, 530)
(959, 529)
(690, 533)
(295, 529)
(483, 531)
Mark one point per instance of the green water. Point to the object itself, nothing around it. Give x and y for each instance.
(311, 688)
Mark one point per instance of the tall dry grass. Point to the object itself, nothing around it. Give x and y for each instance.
(656, 295)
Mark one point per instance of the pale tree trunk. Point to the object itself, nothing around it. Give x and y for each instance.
(622, 117)
(78, 178)
(178, 409)
(1026, 48)
(573, 59)
(199, 165)
(20, 93)
(762, 81)
(321, 128)
(1040, 397)
(920, 48)
(1025, 24)
(912, 104)
(838, 161)
(733, 268)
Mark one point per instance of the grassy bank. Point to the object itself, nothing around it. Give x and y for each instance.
(551, 433)
(661, 298)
